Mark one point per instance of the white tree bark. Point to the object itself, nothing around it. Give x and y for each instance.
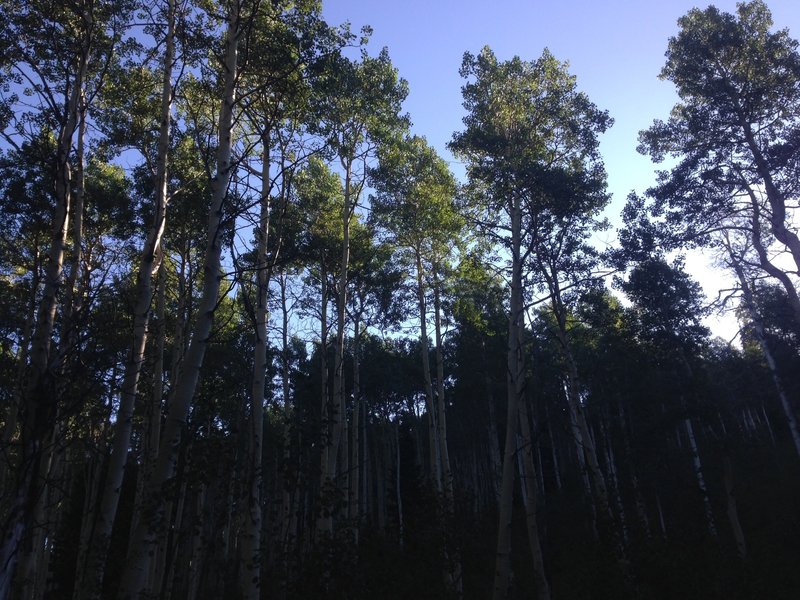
(144, 538)
(40, 407)
(528, 476)
(758, 327)
(250, 538)
(502, 574)
(430, 402)
(91, 558)
(698, 473)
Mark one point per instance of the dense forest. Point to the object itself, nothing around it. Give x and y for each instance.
(258, 341)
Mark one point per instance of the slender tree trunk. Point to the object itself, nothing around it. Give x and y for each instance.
(72, 305)
(93, 470)
(588, 446)
(698, 473)
(250, 538)
(33, 548)
(733, 513)
(379, 460)
(528, 476)
(163, 581)
(48, 505)
(453, 556)
(38, 398)
(553, 448)
(495, 461)
(324, 524)
(641, 507)
(441, 408)
(152, 431)
(13, 411)
(144, 538)
(355, 475)
(197, 562)
(338, 416)
(577, 436)
(398, 489)
(516, 385)
(366, 467)
(611, 469)
(91, 560)
(661, 521)
(768, 425)
(430, 405)
(183, 316)
(290, 479)
(758, 327)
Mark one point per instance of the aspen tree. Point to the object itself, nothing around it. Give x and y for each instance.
(145, 537)
(526, 122)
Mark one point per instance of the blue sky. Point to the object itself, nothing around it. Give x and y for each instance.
(614, 47)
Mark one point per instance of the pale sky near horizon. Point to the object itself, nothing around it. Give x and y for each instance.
(615, 48)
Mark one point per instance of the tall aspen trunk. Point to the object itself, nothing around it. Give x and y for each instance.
(152, 431)
(528, 477)
(230, 520)
(768, 425)
(589, 449)
(611, 469)
(540, 471)
(343, 464)
(365, 467)
(661, 521)
(607, 527)
(553, 448)
(758, 327)
(604, 517)
(48, 505)
(37, 397)
(197, 562)
(577, 436)
(183, 313)
(324, 523)
(698, 473)
(91, 559)
(641, 507)
(441, 408)
(13, 411)
(730, 504)
(430, 404)
(72, 304)
(290, 483)
(145, 537)
(93, 470)
(163, 578)
(516, 385)
(495, 460)
(355, 461)
(338, 416)
(398, 489)
(453, 556)
(29, 579)
(250, 538)
(378, 460)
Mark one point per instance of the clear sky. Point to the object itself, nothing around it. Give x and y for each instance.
(614, 47)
